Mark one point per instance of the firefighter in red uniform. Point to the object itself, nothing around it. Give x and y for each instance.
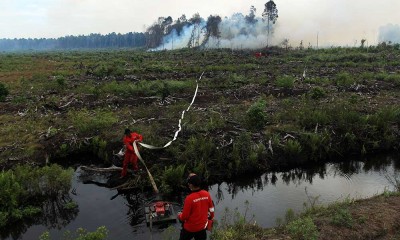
(198, 209)
(130, 156)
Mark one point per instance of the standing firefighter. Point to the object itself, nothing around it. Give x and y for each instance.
(198, 211)
(130, 156)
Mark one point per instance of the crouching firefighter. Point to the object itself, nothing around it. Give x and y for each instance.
(130, 155)
(198, 211)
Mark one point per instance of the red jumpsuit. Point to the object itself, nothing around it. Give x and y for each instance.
(130, 156)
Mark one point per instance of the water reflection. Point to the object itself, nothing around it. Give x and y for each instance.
(135, 203)
(134, 198)
(53, 215)
(272, 193)
(308, 174)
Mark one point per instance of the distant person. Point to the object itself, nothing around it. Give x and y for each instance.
(198, 208)
(130, 155)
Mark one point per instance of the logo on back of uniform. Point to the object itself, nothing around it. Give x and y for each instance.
(200, 199)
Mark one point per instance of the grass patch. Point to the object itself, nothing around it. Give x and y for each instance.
(86, 121)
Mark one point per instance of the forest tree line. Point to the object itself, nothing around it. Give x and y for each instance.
(92, 41)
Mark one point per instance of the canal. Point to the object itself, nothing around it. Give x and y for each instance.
(262, 198)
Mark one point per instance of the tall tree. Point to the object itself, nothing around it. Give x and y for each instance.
(179, 24)
(195, 36)
(251, 18)
(157, 30)
(212, 29)
(270, 14)
(166, 25)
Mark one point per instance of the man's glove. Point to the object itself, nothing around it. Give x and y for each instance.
(179, 213)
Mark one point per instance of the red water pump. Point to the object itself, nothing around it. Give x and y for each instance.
(160, 208)
(160, 212)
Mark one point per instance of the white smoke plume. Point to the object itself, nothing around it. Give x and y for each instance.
(389, 33)
(235, 33)
(173, 41)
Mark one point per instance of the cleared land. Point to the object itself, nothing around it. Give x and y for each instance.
(284, 109)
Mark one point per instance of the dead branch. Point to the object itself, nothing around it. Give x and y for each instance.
(287, 136)
(65, 105)
(225, 144)
(270, 147)
(23, 113)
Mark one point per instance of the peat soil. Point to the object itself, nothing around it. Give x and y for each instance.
(243, 78)
(374, 218)
(379, 217)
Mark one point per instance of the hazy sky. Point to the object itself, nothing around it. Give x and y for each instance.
(336, 22)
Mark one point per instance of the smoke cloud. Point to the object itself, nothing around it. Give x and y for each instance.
(235, 32)
(389, 33)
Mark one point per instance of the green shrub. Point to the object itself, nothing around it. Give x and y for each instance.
(384, 118)
(236, 226)
(317, 80)
(344, 79)
(381, 76)
(241, 152)
(389, 77)
(366, 76)
(290, 215)
(292, 149)
(215, 121)
(255, 115)
(302, 229)
(175, 86)
(285, 81)
(238, 78)
(309, 118)
(171, 178)
(10, 197)
(3, 92)
(198, 149)
(55, 180)
(316, 145)
(354, 98)
(98, 147)
(342, 217)
(101, 233)
(61, 81)
(143, 88)
(317, 93)
(393, 78)
(345, 119)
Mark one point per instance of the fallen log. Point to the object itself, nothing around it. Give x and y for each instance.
(97, 169)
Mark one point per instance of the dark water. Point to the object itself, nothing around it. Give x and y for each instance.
(266, 196)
